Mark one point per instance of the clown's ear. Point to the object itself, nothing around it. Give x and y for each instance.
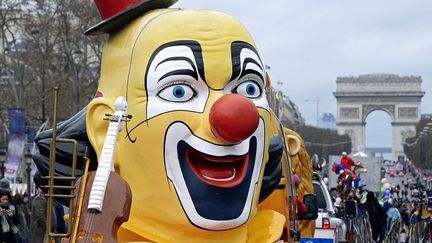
(96, 123)
(268, 84)
(293, 143)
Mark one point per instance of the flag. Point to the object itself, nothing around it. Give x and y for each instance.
(16, 141)
(267, 67)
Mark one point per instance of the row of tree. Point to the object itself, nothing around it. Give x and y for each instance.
(419, 148)
(324, 142)
(42, 46)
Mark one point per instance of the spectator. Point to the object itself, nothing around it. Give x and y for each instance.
(23, 223)
(377, 217)
(26, 208)
(340, 212)
(393, 214)
(60, 223)
(398, 190)
(8, 217)
(38, 218)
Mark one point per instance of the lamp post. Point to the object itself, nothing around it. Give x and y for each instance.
(35, 32)
(2, 162)
(28, 159)
(77, 58)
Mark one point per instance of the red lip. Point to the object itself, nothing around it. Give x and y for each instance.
(218, 171)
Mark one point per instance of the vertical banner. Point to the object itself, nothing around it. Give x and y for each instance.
(16, 142)
(31, 134)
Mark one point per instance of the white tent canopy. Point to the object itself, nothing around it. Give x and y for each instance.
(359, 154)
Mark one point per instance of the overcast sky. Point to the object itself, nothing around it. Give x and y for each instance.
(309, 43)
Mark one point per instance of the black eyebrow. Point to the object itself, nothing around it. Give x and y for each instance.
(251, 71)
(187, 72)
(238, 70)
(193, 73)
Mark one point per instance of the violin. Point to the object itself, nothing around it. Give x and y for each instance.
(102, 198)
(95, 226)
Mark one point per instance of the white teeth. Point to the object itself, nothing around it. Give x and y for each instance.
(225, 179)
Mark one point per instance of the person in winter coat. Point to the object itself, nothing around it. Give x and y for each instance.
(393, 214)
(26, 207)
(23, 223)
(60, 223)
(8, 218)
(38, 219)
(377, 217)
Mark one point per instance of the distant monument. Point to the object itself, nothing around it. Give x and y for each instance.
(357, 97)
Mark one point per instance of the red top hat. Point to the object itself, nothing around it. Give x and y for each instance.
(116, 13)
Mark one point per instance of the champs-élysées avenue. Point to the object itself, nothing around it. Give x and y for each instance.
(215, 121)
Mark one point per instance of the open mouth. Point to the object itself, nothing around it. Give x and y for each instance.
(207, 177)
(227, 171)
(220, 178)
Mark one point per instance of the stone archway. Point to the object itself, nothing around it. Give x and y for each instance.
(399, 97)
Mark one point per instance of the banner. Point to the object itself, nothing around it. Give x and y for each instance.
(31, 134)
(16, 142)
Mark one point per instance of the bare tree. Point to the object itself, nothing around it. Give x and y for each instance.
(43, 46)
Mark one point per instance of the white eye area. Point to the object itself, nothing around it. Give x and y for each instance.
(177, 93)
(249, 89)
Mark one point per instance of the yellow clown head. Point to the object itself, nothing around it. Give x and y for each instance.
(195, 149)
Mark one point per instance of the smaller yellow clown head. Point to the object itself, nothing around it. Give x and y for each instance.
(195, 149)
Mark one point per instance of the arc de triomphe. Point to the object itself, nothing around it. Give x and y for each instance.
(399, 97)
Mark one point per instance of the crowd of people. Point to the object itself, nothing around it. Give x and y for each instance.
(23, 219)
(395, 211)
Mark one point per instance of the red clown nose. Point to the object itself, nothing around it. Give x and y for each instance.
(233, 118)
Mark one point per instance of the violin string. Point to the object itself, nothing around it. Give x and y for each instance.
(90, 224)
(89, 228)
(89, 231)
(87, 225)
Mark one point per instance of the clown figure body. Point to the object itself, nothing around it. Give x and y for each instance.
(195, 150)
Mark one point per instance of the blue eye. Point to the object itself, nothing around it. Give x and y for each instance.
(249, 89)
(177, 93)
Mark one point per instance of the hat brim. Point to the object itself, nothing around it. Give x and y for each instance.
(122, 18)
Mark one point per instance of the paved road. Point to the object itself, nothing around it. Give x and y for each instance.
(397, 180)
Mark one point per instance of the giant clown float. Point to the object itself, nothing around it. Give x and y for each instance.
(201, 148)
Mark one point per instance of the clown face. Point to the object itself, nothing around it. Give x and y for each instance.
(195, 150)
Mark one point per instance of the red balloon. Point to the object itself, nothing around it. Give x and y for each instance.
(233, 118)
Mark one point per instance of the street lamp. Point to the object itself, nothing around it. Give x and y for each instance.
(28, 160)
(77, 58)
(35, 32)
(2, 162)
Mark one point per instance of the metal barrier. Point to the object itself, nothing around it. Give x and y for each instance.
(393, 232)
(420, 232)
(358, 225)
